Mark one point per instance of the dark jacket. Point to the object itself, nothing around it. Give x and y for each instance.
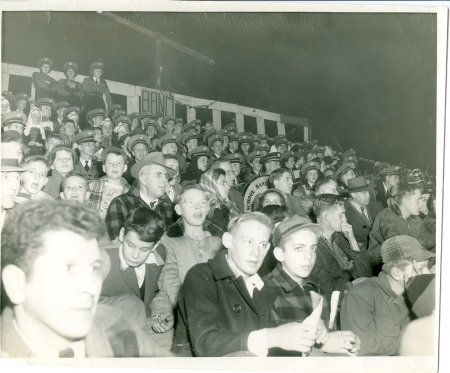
(216, 313)
(122, 206)
(120, 282)
(361, 225)
(389, 223)
(382, 195)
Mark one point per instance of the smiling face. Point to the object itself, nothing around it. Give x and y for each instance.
(298, 255)
(217, 147)
(247, 245)
(36, 117)
(75, 188)
(97, 73)
(190, 207)
(62, 291)
(35, 178)
(114, 166)
(139, 151)
(63, 163)
(134, 250)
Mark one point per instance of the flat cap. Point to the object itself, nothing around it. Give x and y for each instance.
(84, 136)
(309, 166)
(137, 139)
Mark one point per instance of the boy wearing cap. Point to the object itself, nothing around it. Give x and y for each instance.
(105, 189)
(271, 162)
(215, 143)
(390, 178)
(375, 309)
(295, 241)
(22, 102)
(138, 146)
(44, 84)
(86, 165)
(60, 110)
(360, 211)
(224, 304)
(253, 160)
(168, 144)
(14, 121)
(149, 192)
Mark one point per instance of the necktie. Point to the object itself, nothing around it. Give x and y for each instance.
(152, 204)
(86, 166)
(96, 80)
(363, 211)
(66, 353)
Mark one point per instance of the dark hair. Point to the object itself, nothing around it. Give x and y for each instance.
(25, 227)
(53, 135)
(216, 172)
(322, 182)
(404, 190)
(125, 158)
(276, 213)
(147, 224)
(170, 156)
(326, 202)
(430, 200)
(276, 175)
(33, 158)
(67, 120)
(258, 202)
(70, 174)
(121, 139)
(57, 148)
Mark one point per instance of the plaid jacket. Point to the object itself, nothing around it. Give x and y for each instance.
(293, 303)
(96, 188)
(121, 207)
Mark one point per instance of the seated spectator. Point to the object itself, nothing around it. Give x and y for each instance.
(277, 214)
(33, 179)
(400, 218)
(231, 175)
(374, 309)
(327, 185)
(149, 192)
(53, 293)
(75, 187)
(343, 174)
(61, 161)
(10, 184)
(86, 165)
(197, 166)
(339, 258)
(295, 242)
(12, 144)
(360, 211)
(208, 326)
(138, 147)
(14, 121)
(173, 188)
(269, 197)
(136, 264)
(419, 336)
(68, 131)
(217, 189)
(281, 179)
(105, 189)
(190, 240)
(429, 221)
(390, 178)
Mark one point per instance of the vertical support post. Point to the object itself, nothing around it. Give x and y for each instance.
(132, 104)
(260, 125)
(281, 129)
(240, 122)
(306, 133)
(217, 119)
(190, 115)
(5, 81)
(158, 67)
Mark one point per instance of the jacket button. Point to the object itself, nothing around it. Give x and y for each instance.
(237, 308)
(229, 280)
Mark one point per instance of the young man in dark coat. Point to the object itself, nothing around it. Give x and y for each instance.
(224, 304)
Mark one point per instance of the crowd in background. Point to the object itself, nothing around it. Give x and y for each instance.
(127, 234)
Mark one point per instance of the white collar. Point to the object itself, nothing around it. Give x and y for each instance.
(150, 260)
(251, 282)
(146, 199)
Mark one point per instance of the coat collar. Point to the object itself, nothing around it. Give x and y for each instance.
(220, 267)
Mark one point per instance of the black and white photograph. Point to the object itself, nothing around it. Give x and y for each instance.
(260, 182)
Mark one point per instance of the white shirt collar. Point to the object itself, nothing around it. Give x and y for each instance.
(251, 282)
(146, 199)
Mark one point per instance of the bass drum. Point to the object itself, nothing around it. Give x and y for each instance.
(255, 188)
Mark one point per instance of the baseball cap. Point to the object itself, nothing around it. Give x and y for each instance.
(293, 225)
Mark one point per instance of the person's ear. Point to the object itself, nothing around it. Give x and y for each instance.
(121, 234)
(124, 168)
(14, 281)
(278, 253)
(62, 195)
(396, 273)
(178, 209)
(46, 181)
(227, 239)
(104, 169)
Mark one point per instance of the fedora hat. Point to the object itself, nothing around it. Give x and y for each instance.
(156, 158)
(359, 184)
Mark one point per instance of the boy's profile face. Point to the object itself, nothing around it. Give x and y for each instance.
(114, 166)
(247, 245)
(75, 188)
(298, 255)
(135, 252)
(61, 292)
(35, 178)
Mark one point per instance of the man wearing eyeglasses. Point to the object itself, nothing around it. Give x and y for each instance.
(234, 194)
(150, 192)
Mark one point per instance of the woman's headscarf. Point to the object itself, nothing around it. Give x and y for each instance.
(208, 183)
(30, 123)
(192, 172)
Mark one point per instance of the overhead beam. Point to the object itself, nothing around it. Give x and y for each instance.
(163, 39)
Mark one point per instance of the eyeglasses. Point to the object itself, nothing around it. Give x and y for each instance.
(159, 175)
(192, 203)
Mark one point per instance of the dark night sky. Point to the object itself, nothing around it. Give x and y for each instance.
(356, 77)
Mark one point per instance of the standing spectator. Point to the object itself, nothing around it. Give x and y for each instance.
(69, 89)
(44, 84)
(86, 165)
(153, 177)
(94, 88)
